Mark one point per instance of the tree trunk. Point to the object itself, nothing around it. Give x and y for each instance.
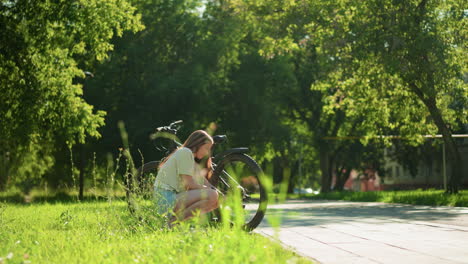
(341, 178)
(277, 170)
(4, 171)
(454, 154)
(292, 178)
(82, 167)
(325, 168)
(3, 180)
(430, 102)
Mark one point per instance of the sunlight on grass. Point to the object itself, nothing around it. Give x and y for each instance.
(104, 232)
(56, 227)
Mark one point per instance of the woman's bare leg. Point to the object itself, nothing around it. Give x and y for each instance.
(204, 200)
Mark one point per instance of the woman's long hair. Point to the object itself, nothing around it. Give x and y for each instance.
(197, 139)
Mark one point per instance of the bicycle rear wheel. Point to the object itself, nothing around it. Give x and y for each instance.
(238, 176)
(139, 187)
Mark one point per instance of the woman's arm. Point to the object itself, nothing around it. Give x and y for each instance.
(189, 183)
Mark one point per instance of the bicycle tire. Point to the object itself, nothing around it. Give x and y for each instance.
(220, 172)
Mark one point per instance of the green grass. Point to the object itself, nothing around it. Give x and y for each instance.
(97, 231)
(416, 197)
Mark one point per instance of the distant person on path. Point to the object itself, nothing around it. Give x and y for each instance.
(182, 185)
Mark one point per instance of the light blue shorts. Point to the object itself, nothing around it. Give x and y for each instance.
(165, 200)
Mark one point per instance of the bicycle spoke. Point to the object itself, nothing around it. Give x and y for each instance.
(239, 179)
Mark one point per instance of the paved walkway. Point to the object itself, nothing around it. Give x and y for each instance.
(358, 232)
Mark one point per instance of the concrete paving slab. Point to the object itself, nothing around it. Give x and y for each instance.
(356, 232)
(309, 247)
(383, 253)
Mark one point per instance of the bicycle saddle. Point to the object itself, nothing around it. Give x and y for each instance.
(219, 139)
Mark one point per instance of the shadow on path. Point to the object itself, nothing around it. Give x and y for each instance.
(310, 213)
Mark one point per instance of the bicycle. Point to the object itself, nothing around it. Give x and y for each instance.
(234, 173)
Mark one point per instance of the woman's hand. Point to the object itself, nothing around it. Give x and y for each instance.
(211, 186)
(189, 183)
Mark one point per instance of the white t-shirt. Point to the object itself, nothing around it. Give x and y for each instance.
(180, 162)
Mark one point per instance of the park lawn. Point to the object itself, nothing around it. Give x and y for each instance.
(415, 197)
(104, 232)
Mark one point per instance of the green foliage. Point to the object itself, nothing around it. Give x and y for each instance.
(44, 48)
(153, 77)
(29, 162)
(368, 55)
(379, 67)
(207, 71)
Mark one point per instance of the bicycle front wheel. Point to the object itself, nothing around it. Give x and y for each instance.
(239, 178)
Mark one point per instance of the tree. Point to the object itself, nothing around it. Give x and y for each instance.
(153, 77)
(421, 44)
(44, 48)
(383, 66)
(282, 33)
(184, 65)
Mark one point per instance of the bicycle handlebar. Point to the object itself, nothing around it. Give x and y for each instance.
(170, 128)
(175, 123)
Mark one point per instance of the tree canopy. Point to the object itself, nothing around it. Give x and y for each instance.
(45, 47)
(277, 76)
